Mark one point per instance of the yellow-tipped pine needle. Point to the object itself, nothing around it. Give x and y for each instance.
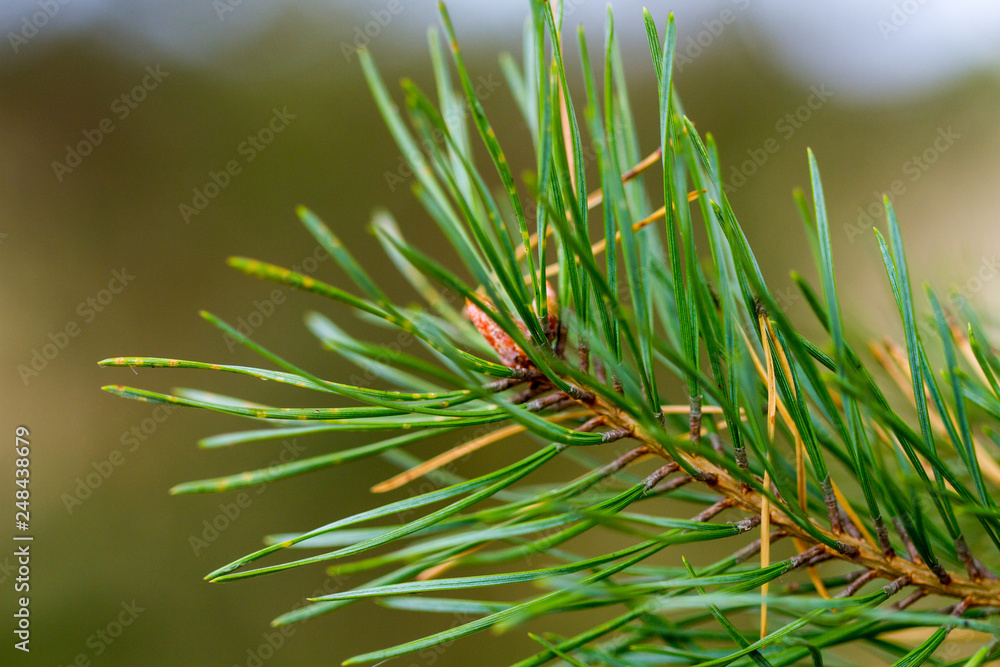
(600, 246)
(892, 359)
(458, 452)
(444, 566)
(852, 514)
(765, 552)
(595, 198)
(800, 456)
(567, 136)
(765, 503)
(800, 460)
(686, 409)
(447, 457)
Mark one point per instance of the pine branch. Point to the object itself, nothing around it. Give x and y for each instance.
(838, 545)
(545, 333)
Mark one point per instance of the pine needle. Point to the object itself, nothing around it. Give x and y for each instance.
(765, 503)
(460, 451)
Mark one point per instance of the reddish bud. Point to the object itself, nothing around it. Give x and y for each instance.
(509, 352)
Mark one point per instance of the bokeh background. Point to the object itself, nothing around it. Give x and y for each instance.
(891, 95)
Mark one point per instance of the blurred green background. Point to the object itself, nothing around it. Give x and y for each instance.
(887, 98)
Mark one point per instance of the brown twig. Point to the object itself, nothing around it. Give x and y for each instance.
(850, 589)
(846, 547)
